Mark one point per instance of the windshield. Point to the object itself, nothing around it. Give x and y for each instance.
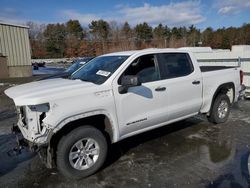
(99, 69)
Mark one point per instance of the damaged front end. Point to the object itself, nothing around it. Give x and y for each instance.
(30, 122)
(34, 131)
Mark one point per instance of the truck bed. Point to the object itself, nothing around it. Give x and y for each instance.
(214, 68)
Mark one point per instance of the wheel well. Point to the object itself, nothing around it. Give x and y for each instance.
(100, 122)
(223, 89)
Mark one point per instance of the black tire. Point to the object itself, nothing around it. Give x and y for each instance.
(215, 116)
(66, 144)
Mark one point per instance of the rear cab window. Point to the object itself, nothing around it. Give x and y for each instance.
(175, 65)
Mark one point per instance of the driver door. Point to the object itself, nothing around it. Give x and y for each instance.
(141, 106)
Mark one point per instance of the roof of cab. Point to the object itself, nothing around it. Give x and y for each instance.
(150, 50)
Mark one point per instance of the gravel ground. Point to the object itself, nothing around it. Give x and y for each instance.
(190, 153)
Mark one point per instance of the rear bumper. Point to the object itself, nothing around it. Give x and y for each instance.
(247, 95)
(247, 92)
(242, 92)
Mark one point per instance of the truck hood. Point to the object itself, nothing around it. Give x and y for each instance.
(45, 91)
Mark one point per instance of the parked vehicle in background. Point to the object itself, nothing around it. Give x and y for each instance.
(115, 96)
(36, 65)
(79, 62)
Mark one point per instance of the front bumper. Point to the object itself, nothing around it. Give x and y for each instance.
(43, 150)
(21, 141)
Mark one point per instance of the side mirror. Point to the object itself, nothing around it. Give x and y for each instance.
(127, 82)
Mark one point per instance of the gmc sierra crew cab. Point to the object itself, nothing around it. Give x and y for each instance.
(114, 96)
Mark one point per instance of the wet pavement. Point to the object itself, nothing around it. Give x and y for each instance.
(190, 153)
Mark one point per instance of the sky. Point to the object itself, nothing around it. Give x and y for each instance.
(201, 13)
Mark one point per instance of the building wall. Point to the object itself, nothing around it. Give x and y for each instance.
(4, 72)
(20, 71)
(14, 43)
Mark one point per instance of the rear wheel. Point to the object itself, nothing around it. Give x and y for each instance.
(81, 152)
(220, 109)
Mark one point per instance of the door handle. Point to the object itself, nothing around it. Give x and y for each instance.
(196, 82)
(160, 89)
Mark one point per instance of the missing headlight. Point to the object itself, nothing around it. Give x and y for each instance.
(41, 117)
(40, 107)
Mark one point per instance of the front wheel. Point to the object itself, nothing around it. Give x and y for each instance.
(81, 152)
(220, 109)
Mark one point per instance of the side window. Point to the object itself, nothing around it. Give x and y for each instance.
(145, 68)
(175, 64)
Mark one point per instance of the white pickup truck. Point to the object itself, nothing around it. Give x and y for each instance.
(115, 96)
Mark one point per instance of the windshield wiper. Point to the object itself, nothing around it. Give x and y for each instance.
(85, 80)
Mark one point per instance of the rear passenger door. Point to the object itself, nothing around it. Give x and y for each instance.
(183, 84)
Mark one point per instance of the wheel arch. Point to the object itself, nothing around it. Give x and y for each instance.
(98, 119)
(223, 88)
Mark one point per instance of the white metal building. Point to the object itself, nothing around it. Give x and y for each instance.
(15, 47)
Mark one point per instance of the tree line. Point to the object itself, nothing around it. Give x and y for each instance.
(70, 39)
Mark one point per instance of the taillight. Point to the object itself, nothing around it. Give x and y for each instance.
(241, 77)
